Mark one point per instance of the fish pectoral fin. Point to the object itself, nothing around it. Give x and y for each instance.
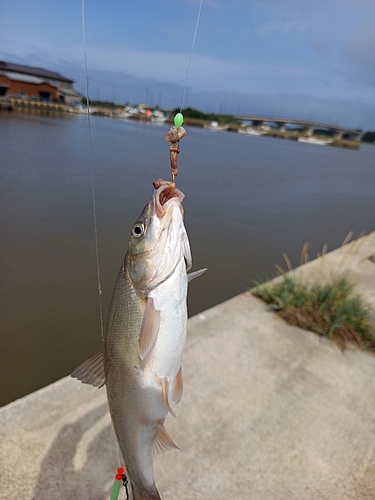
(149, 329)
(165, 389)
(91, 371)
(163, 442)
(195, 274)
(178, 387)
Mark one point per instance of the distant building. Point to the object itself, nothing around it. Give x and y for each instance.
(17, 80)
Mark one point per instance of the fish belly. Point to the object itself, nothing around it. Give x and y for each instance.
(170, 299)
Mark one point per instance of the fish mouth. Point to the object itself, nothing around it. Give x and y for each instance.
(166, 194)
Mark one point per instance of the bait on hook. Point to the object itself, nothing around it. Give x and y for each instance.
(173, 136)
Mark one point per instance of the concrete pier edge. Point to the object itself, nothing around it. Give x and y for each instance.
(269, 411)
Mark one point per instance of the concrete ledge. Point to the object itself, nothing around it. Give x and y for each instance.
(269, 412)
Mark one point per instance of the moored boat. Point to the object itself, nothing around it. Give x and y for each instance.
(214, 125)
(158, 116)
(316, 140)
(251, 131)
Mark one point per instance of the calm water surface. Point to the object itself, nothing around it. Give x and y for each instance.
(248, 200)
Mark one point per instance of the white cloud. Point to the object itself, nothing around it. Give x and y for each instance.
(205, 72)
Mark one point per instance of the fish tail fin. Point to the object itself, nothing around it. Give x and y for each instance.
(143, 494)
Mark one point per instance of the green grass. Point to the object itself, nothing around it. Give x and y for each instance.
(332, 309)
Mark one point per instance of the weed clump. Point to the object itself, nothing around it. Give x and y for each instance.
(332, 309)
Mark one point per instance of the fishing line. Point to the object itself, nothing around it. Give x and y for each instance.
(191, 54)
(92, 175)
(94, 201)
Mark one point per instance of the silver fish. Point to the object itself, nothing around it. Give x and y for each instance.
(145, 337)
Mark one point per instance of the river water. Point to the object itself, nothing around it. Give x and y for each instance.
(248, 200)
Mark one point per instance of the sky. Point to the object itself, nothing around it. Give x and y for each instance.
(297, 59)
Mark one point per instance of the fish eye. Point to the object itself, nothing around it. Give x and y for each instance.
(138, 229)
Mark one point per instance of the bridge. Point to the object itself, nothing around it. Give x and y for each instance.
(310, 126)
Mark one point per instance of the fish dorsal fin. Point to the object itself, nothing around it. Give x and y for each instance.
(91, 371)
(195, 274)
(149, 329)
(163, 442)
(165, 388)
(177, 387)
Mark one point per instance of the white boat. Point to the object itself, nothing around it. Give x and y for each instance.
(251, 131)
(315, 140)
(127, 112)
(215, 126)
(81, 109)
(121, 113)
(158, 116)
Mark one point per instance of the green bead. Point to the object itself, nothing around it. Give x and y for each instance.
(178, 120)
